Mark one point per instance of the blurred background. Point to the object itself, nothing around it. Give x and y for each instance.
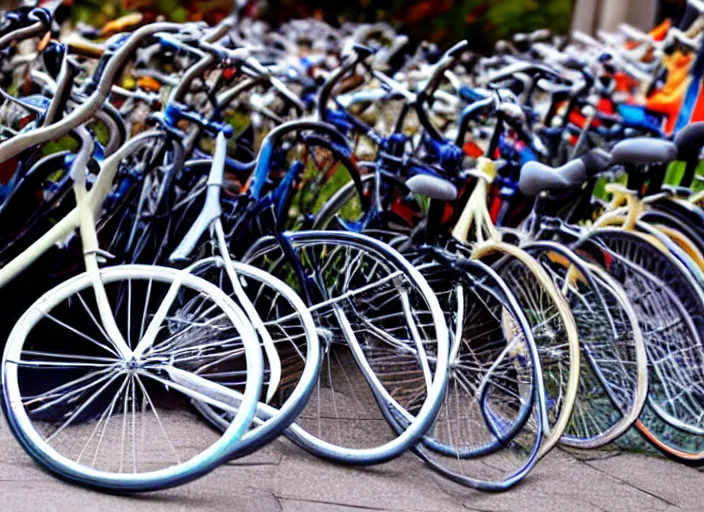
(482, 22)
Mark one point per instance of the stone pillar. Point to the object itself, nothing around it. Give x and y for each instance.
(585, 15)
(592, 15)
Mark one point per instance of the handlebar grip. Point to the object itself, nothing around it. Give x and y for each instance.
(457, 50)
(362, 51)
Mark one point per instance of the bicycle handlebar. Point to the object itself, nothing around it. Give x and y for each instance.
(42, 20)
(447, 60)
(14, 146)
(359, 54)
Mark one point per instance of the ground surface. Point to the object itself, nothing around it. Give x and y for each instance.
(283, 478)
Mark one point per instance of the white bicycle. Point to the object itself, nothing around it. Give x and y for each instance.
(99, 372)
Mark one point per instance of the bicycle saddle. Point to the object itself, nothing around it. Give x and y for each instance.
(432, 187)
(689, 141)
(536, 177)
(643, 151)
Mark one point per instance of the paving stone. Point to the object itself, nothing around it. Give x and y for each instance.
(211, 493)
(402, 484)
(282, 477)
(314, 506)
(674, 483)
(272, 453)
(562, 478)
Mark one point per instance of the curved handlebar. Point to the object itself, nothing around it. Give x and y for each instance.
(14, 146)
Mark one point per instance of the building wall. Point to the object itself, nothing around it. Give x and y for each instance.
(593, 15)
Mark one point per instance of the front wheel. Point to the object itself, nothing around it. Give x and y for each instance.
(95, 417)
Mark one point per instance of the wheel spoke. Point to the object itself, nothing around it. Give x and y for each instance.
(158, 419)
(103, 346)
(82, 408)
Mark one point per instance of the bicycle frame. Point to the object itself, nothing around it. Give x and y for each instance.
(82, 217)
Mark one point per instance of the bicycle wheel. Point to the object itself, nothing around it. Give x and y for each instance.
(676, 244)
(554, 330)
(292, 330)
(344, 206)
(613, 374)
(684, 235)
(385, 343)
(122, 424)
(669, 305)
(490, 427)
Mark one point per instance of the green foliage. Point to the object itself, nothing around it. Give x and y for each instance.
(507, 18)
(99, 12)
(64, 143)
(482, 22)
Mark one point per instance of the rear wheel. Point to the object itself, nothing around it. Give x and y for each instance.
(297, 353)
(490, 427)
(385, 343)
(669, 305)
(553, 327)
(613, 374)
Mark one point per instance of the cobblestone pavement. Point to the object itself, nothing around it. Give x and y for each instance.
(283, 478)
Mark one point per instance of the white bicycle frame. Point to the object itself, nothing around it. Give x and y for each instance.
(82, 217)
(209, 218)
